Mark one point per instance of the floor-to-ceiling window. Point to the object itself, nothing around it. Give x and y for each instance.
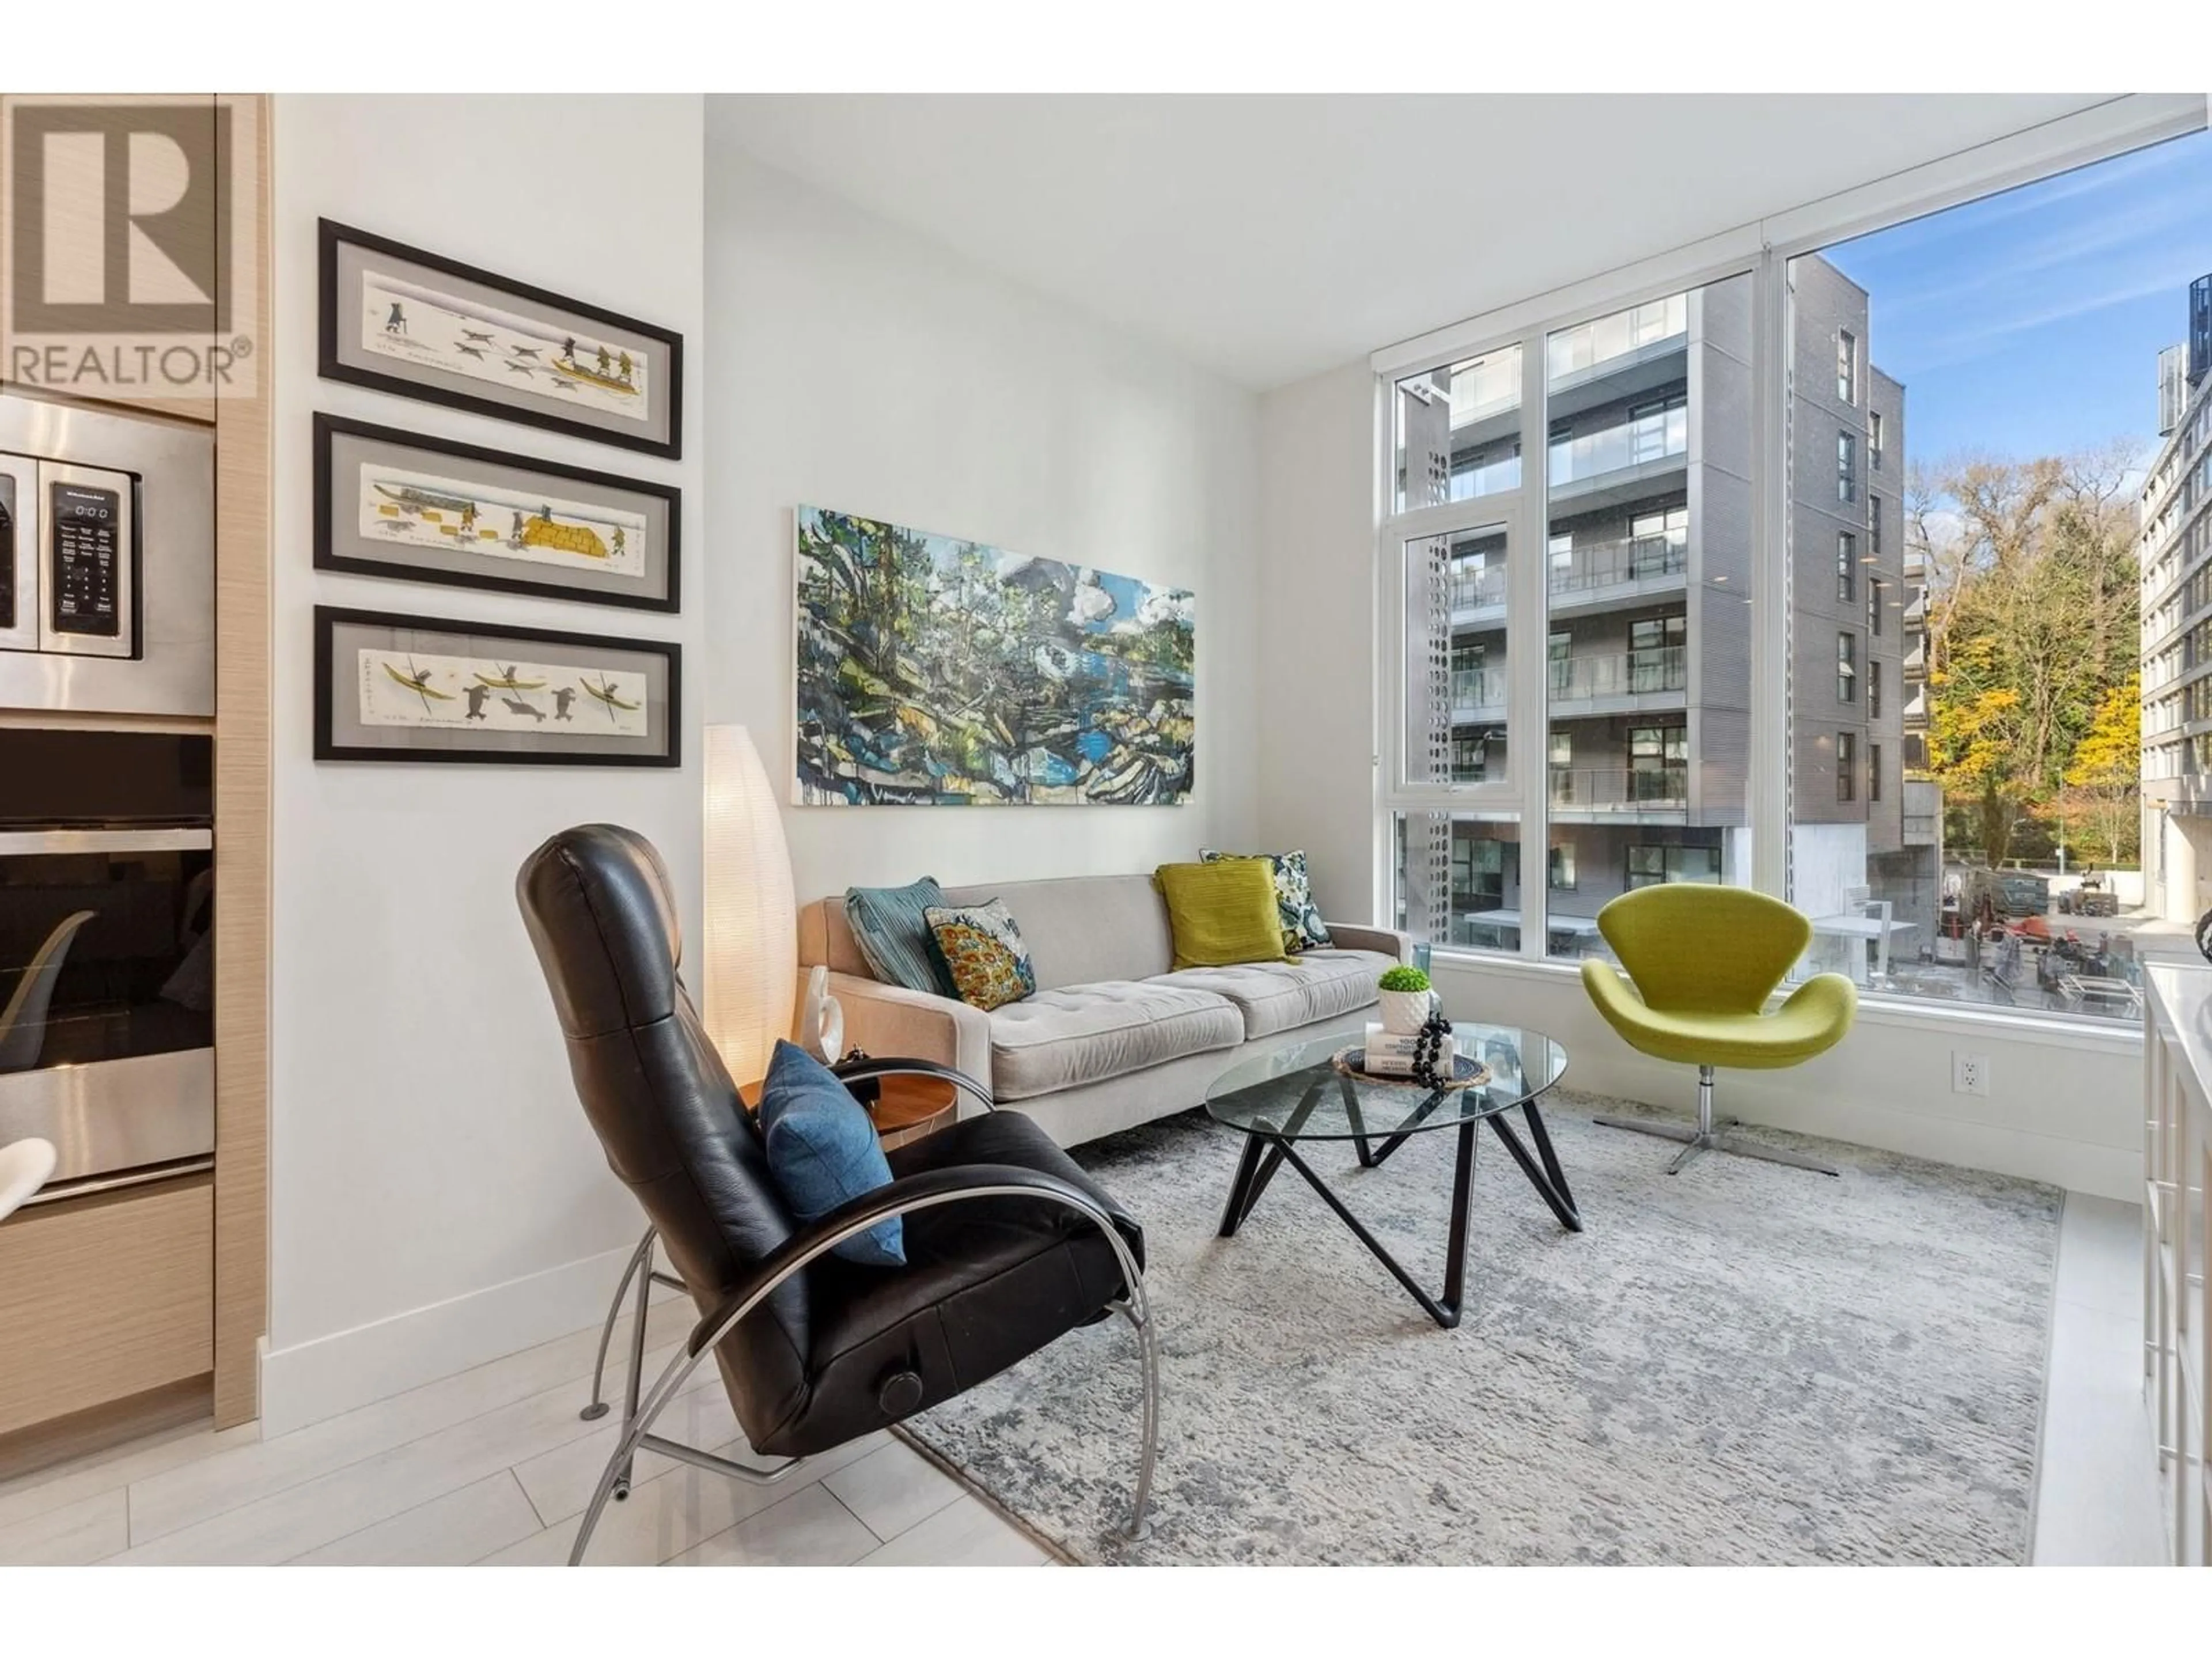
(1890, 559)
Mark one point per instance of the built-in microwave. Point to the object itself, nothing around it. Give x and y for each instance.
(107, 951)
(106, 562)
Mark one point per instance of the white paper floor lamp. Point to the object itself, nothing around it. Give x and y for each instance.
(752, 927)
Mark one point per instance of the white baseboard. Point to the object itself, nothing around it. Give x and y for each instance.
(311, 1380)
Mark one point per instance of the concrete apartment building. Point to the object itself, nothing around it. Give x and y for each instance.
(2174, 551)
(1648, 558)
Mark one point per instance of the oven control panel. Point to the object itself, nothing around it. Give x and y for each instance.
(88, 572)
(88, 581)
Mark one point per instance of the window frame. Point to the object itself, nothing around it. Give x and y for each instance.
(1847, 768)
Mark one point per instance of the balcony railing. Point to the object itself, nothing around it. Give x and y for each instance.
(1571, 350)
(1592, 565)
(1597, 789)
(1475, 590)
(1650, 438)
(1631, 673)
(1478, 688)
(1632, 559)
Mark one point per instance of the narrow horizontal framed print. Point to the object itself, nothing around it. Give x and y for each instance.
(394, 688)
(405, 321)
(416, 508)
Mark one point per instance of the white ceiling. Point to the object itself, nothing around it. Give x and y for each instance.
(1271, 238)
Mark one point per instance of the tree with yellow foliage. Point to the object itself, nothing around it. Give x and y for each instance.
(2099, 802)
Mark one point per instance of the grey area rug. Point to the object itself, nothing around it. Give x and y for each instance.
(1740, 1363)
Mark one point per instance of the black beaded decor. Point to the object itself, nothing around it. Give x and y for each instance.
(1428, 1048)
(2204, 935)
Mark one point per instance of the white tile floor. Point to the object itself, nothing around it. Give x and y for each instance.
(494, 1466)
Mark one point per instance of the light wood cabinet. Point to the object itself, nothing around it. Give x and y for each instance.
(104, 1297)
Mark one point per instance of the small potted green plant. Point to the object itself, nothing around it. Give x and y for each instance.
(1407, 1000)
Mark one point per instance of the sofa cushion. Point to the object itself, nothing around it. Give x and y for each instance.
(1085, 930)
(1080, 1034)
(1281, 996)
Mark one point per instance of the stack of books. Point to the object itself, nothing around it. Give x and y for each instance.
(1389, 1054)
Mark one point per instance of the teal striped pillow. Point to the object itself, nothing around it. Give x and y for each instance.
(892, 930)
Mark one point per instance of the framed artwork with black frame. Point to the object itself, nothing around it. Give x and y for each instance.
(401, 320)
(416, 508)
(397, 687)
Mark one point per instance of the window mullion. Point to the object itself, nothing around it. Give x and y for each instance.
(1769, 770)
(1531, 621)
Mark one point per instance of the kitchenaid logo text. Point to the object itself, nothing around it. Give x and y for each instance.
(122, 233)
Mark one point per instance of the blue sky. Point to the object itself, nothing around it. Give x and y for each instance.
(2030, 323)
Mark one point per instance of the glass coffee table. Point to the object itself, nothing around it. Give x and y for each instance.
(1301, 1094)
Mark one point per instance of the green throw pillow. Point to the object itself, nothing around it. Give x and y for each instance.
(1222, 913)
(1303, 927)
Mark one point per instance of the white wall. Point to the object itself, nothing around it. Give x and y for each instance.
(437, 1196)
(1318, 741)
(855, 365)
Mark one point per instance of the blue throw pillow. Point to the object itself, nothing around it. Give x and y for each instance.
(893, 934)
(822, 1151)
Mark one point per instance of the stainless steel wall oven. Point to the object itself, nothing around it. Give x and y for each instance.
(107, 951)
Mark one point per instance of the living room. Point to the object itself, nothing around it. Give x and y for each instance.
(1090, 556)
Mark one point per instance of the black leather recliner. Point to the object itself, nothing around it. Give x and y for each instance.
(1009, 1244)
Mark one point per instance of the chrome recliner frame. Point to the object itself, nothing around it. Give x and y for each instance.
(902, 1197)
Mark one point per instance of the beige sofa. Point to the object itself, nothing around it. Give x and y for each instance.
(1112, 1038)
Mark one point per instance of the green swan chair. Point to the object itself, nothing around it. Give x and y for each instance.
(1704, 960)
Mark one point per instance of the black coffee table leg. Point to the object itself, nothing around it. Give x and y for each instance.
(1444, 1310)
(1550, 1182)
(1259, 1162)
(1239, 1206)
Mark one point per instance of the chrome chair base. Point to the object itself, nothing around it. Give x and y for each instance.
(1706, 1135)
(641, 1407)
(642, 1256)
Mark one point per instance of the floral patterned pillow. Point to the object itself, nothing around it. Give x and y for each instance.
(1303, 927)
(983, 952)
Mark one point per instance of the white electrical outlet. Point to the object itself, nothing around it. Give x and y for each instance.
(1970, 1074)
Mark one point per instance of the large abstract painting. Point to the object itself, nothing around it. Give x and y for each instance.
(935, 672)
